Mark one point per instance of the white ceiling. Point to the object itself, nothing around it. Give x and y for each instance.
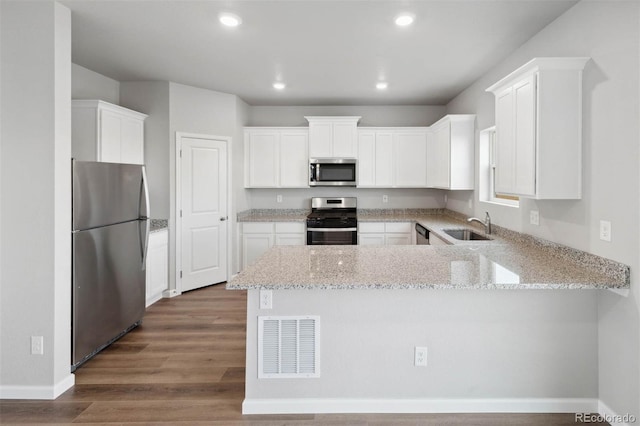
(327, 52)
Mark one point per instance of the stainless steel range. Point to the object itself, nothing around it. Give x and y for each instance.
(332, 221)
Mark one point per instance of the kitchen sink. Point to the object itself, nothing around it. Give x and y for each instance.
(465, 234)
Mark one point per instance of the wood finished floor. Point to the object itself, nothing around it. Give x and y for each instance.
(185, 366)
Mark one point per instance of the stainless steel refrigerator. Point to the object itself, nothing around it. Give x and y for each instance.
(110, 233)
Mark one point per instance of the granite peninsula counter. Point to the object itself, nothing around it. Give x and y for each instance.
(506, 349)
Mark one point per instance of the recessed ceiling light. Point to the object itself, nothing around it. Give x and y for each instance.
(382, 85)
(230, 20)
(404, 20)
(279, 86)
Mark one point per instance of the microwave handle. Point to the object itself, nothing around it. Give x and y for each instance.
(312, 172)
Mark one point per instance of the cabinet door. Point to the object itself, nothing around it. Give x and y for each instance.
(132, 141)
(294, 159)
(436, 241)
(396, 239)
(110, 130)
(366, 158)
(345, 140)
(410, 159)
(157, 266)
(291, 239)
(384, 160)
(525, 136)
(254, 246)
(262, 159)
(370, 239)
(505, 142)
(320, 140)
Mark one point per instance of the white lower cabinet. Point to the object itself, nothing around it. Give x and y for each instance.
(436, 241)
(157, 266)
(385, 233)
(258, 237)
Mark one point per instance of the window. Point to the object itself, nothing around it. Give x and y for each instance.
(488, 171)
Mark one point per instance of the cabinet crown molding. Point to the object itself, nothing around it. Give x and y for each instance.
(333, 118)
(96, 103)
(540, 64)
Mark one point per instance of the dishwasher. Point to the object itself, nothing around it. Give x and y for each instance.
(422, 235)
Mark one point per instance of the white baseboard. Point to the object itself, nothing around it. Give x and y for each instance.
(38, 392)
(614, 418)
(153, 299)
(507, 405)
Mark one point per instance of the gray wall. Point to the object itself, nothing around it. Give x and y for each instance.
(35, 214)
(87, 84)
(494, 344)
(194, 110)
(152, 98)
(608, 32)
(401, 115)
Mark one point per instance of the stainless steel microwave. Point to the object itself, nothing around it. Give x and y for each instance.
(332, 172)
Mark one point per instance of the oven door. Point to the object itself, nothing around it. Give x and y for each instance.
(332, 236)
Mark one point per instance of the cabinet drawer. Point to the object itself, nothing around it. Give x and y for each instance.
(257, 228)
(290, 227)
(398, 227)
(368, 227)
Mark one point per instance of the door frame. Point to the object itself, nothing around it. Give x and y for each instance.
(178, 258)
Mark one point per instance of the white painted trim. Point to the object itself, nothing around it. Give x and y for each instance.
(178, 221)
(334, 405)
(38, 392)
(608, 413)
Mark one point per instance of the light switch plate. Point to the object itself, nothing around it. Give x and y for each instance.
(605, 230)
(534, 217)
(385, 198)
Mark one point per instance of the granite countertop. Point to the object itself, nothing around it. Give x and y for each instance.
(158, 225)
(508, 261)
(273, 215)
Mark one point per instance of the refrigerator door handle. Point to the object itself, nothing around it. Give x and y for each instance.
(144, 241)
(144, 195)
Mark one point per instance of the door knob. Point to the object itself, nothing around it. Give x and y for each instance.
(222, 219)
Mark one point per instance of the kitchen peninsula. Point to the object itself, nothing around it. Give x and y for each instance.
(526, 345)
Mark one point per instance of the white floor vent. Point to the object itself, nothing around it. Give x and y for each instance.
(288, 347)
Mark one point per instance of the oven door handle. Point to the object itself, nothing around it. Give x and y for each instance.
(332, 229)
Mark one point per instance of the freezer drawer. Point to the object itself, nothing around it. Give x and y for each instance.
(108, 285)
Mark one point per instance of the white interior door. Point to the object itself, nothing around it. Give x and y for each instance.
(203, 205)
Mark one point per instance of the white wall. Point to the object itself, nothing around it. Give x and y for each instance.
(87, 84)
(35, 218)
(609, 33)
(152, 98)
(387, 115)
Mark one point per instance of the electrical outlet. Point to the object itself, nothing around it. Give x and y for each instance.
(279, 198)
(605, 230)
(470, 203)
(37, 345)
(534, 217)
(420, 357)
(266, 299)
(385, 198)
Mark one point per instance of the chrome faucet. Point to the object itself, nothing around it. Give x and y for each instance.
(486, 223)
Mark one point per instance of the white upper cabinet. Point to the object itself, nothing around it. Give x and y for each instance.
(276, 157)
(392, 157)
(450, 153)
(105, 132)
(333, 137)
(539, 129)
